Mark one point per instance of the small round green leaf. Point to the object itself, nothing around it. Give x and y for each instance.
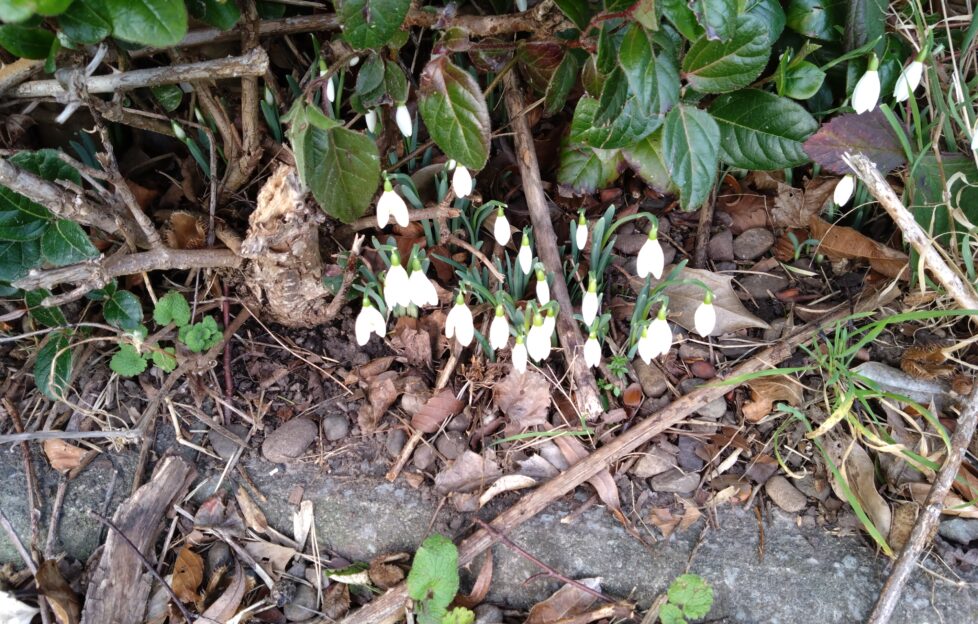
(127, 362)
(172, 308)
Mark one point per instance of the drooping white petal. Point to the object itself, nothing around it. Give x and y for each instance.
(705, 319)
(15, 611)
(369, 321)
(650, 259)
(550, 324)
(330, 90)
(519, 357)
(538, 343)
(592, 352)
(661, 336)
(580, 236)
(501, 231)
(404, 122)
(520, 5)
(543, 291)
(399, 211)
(589, 307)
(391, 204)
(843, 190)
(422, 290)
(462, 182)
(974, 139)
(397, 289)
(498, 332)
(371, 118)
(646, 347)
(908, 81)
(459, 324)
(525, 257)
(354, 61)
(867, 92)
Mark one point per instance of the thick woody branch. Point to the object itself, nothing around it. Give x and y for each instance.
(97, 273)
(588, 399)
(253, 63)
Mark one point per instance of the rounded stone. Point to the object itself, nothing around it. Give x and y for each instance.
(336, 427)
(451, 444)
(752, 243)
(224, 446)
(303, 605)
(289, 442)
(785, 495)
(395, 442)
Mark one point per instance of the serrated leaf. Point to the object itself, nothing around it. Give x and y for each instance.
(52, 367)
(165, 358)
(172, 308)
(561, 83)
(16, 259)
(455, 112)
(868, 134)
(157, 23)
(682, 17)
(771, 14)
(372, 23)
(818, 19)
(64, 242)
(614, 93)
(671, 614)
(340, 167)
(690, 144)
(721, 66)
(584, 169)
(692, 594)
(29, 42)
(86, 21)
(631, 125)
(223, 14)
(759, 130)
(433, 579)
(44, 316)
(653, 80)
(646, 158)
(127, 362)
(201, 336)
(801, 81)
(717, 17)
(123, 310)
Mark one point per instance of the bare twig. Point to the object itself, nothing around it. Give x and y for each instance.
(703, 232)
(253, 63)
(33, 493)
(18, 545)
(464, 244)
(568, 331)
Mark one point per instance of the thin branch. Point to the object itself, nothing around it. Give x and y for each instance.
(464, 244)
(433, 213)
(253, 63)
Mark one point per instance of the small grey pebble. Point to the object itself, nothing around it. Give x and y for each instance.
(423, 457)
(395, 442)
(451, 444)
(224, 446)
(305, 596)
(459, 423)
(488, 614)
(289, 441)
(752, 243)
(721, 247)
(688, 459)
(335, 427)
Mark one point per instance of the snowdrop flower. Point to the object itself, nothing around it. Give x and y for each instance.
(369, 321)
(580, 236)
(974, 138)
(461, 180)
(459, 322)
(397, 286)
(549, 323)
(178, 131)
(592, 351)
(646, 349)
(371, 118)
(330, 90)
(404, 122)
(589, 306)
(499, 329)
(520, 5)
(867, 91)
(909, 78)
(354, 61)
(705, 317)
(525, 255)
(538, 340)
(656, 338)
(519, 355)
(500, 229)
(650, 258)
(422, 290)
(390, 205)
(843, 190)
(543, 288)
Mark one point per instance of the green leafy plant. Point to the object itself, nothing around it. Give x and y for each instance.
(690, 598)
(433, 582)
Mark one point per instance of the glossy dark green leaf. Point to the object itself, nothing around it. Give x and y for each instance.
(46, 317)
(123, 310)
(721, 66)
(17, 225)
(631, 126)
(865, 21)
(653, 80)
(691, 148)
(169, 96)
(606, 59)
(771, 14)
(30, 42)
(682, 17)
(646, 159)
(801, 81)
(47, 164)
(86, 21)
(64, 242)
(818, 19)
(15, 10)
(50, 8)
(223, 14)
(614, 93)
(717, 17)
(340, 167)
(561, 84)
(16, 259)
(157, 23)
(578, 11)
(584, 170)
(761, 131)
(370, 80)
(372, 23)
(52, 367)
(455, 112)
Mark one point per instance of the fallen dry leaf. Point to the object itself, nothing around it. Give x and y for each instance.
(889, 379)
(436, 410)
(869, 134)
(302, 521)
(858, 470)
(664, 520)
(467, 473)
(226, 605)
(381, 393)
(926, 362)
(766, 391)
(684, 298)
(838, 242)
(368, 371)
(746, 211)
(793, 208)
(604, 484)
(336, 601)
(274, 557)
(954, 505)
(52, 585)
(253, 516)
(507, 483)
(480, 589)
(188, 574)
(383, 573)
(524, 399)
(566, 602)
(904, 517)
(63, 456)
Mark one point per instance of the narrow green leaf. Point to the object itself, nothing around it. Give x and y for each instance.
(30, 42)
(157, 23)
(691, 144)
(372, 23)
(64, 242)
(721, 66)
(759, 130)
(455, 112)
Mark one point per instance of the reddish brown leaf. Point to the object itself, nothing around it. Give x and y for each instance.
(839, 242)
(188, 574)
(604, 484)
(436, 411)
(64, 602)
(566, 602)
(524, 399)
(868, 134)
(63, 456)
(766, 391)
(481, 587)
(632, 396)
(226, 606)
